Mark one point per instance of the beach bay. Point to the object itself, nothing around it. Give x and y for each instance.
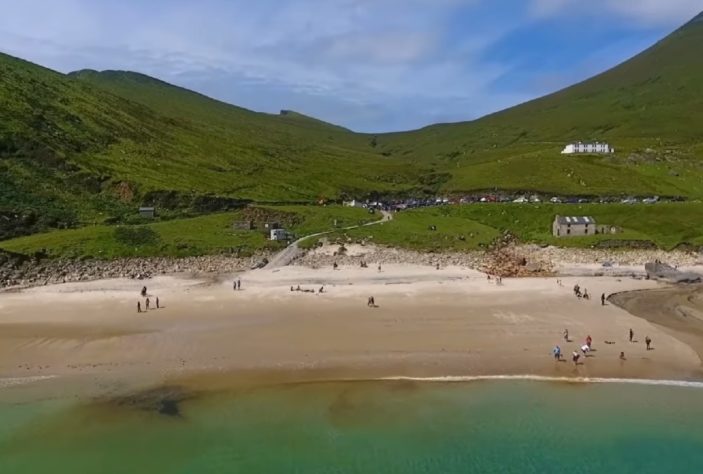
(265, 379)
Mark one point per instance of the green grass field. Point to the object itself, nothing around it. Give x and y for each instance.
(458, 228)
(666, 225)
(207, 235)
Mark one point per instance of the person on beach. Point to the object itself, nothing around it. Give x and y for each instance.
(589, 341)
(586, 296)
(379, 268)
(147, 304)
(575, 357)
(622, 356)
(566, 335)
(577, 290)
(648, 342)
(143, 290)
(157, 303)
(632, 334)
(234, 285)
(602, 299)
(322, 289)
(239, 284)
(139, 306)
(557, 353)
(334, 266)
(585, 349)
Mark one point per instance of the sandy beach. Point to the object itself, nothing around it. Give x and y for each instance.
(428, 322)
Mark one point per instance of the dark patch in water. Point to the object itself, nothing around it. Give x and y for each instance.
(164, 401)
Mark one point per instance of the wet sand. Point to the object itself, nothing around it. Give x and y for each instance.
(429, 323)
(678, 310)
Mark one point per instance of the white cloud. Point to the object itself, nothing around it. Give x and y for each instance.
(645, 12)
(365, 58)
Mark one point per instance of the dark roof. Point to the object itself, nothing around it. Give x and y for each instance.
(575, 220)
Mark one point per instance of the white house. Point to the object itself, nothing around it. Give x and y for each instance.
(581, 147)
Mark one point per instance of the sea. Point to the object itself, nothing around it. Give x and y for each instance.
(382, 426)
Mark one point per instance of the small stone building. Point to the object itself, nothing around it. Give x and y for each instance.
(147, 212)
(243, 225)
(568, 226)
(278, 234)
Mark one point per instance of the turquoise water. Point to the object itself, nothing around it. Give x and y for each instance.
(370, 427)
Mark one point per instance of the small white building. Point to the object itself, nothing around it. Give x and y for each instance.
(353, 203)
(581, 147)
(278, 234)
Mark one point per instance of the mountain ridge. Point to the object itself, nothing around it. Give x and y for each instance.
(89, 147)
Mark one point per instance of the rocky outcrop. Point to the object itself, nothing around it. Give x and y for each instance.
(22, 271)
(663, 272)
(375, 255)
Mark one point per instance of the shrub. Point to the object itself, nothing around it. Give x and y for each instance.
(136, 236)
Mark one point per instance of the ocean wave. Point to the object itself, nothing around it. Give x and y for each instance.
(546, 378)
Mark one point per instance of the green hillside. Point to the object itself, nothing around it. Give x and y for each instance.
(665, 225)
(90, 147)
(649, 108)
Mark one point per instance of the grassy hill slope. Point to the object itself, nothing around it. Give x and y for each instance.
(89, 147)
(74, 152)
(649, 108)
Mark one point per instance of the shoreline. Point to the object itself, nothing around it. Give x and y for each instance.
(537, 261)
(430, 324)
(26, 389)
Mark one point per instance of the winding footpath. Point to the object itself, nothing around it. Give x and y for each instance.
(290, 253)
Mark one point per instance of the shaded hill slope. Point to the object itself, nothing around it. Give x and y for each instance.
(73, 152)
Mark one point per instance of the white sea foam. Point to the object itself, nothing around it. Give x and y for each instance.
(544, 378)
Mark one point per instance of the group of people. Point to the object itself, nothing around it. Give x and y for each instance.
(586, 348)
(363, 264)
(498, 279)
(307, 290)
(584, 294)
(647, 340)
(237, 284)
(147, 302)
(579, 294)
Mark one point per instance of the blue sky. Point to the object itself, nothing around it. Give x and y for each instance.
(371, 65)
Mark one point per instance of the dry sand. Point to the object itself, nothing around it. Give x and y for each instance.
(429, 322)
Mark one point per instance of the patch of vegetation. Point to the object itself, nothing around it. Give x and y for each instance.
(664, 225)
(206, 235)
(136, 236)
(428, 229)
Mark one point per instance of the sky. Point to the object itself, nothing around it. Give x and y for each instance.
(370, 65)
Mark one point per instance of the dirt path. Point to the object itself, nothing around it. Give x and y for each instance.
(290, 253)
